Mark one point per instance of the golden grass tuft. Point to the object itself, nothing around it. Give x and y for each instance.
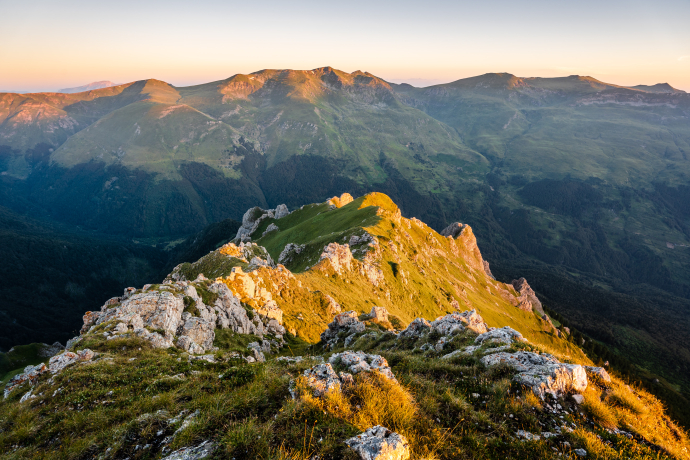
(598, 409)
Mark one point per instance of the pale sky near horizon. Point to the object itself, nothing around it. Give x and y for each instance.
(47, 44)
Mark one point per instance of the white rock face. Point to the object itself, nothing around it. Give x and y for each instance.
(358, 361)
(542, 373)
(505, 335)
(380, 443)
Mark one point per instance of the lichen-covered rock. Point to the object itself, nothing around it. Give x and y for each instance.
(542, 373)
(157, 310)
(457, 322)
(344, 322)
(416, 329)
(358, 361)
(58, 362)
(257, 351)
(321, 379)
(380, 443)
(333, 307)
(505, 334)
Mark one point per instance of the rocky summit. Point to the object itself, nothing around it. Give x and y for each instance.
(338, 330)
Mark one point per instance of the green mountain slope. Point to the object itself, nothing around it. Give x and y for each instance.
(252, 388)
(574, 181)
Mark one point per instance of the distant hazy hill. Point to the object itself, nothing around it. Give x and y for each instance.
(88, 87)
(658, 88)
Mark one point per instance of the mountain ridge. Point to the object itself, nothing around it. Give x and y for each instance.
(277, 346)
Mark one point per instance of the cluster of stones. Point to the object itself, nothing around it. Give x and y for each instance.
(56, 364)
(253, 218)
(380, 443)
(159, 317)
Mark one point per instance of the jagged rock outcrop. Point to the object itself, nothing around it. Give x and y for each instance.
(380, 443)
(339, 202)
(158, 316)
(378, 314)
(289, 252)
(358, 361)
(347, 323)
(250, 289)
(55, 365)
(527, 299)
(338, 256)
(254, 216)
(542, 373)
(271, 228)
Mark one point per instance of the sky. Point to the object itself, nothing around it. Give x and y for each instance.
(48, 44)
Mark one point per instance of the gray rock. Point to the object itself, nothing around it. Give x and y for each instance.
(203, 450)
(542, 373)
(289, 252)
(344, 322)
(358, 361)
(580, 452)
(453, 230)
(271, 228)
(196, 330)
(321, 379)
(255, 349)
(380, 443)
(579, 399)
(505, 335)
(457, 322)
(416, 329)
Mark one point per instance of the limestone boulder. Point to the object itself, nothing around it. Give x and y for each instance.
(196, 330)
(505, 335)
(416, 329)
(598, 372)
(542, 373)
(321, 379)
(380, 443)
(358, 361)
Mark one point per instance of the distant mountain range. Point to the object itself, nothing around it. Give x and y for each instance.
(88, 87)
(578, 184)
